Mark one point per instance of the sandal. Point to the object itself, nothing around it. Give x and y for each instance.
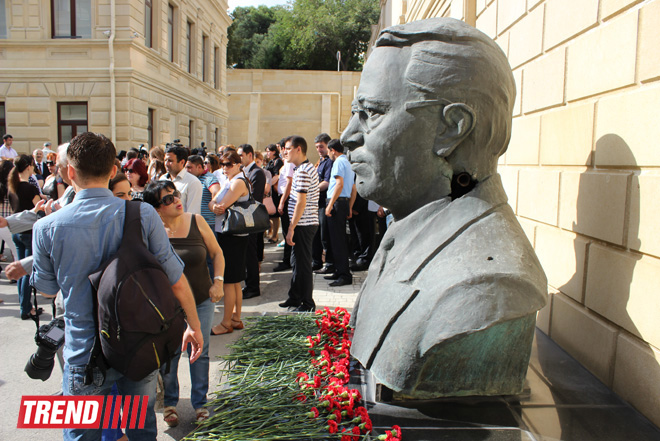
(237, 324)
(171, 416)
(227, 330)
(202, 414)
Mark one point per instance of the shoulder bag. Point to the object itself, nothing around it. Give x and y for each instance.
(246, 217)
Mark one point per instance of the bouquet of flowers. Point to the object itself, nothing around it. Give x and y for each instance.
(286, 379)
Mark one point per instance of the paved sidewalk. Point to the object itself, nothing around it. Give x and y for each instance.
(17, 344)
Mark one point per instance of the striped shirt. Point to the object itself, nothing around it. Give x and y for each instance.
(305, 180)
(207, 180)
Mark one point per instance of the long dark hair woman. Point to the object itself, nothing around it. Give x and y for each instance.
(23, 196)
(234, 247)
(192, 239)
(5, 207)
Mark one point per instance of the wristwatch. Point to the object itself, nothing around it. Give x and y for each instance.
(220, 278)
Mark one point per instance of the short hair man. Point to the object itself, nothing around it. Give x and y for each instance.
(337, 211)
(322, 238)
(187, 184)
(304, 218)
(210, 186)
(73, 242)
(255, 249)
(455, 275)
(6, 150)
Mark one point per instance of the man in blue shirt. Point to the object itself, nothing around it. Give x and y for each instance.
(73, 242)
(337, 211)
(322, 239)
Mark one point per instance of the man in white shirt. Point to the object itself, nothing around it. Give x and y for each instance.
(6, 151)
(188, 185)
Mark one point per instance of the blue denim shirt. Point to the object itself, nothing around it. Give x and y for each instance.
(71, 243)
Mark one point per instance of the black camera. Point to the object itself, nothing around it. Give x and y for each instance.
(174, 143)
(49, 338)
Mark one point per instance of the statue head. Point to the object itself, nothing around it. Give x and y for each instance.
(435, 101)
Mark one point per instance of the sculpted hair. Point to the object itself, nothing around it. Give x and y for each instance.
(453, 61)
(298, 141)
(92, 155)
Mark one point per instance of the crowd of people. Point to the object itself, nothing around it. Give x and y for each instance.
(79, 192)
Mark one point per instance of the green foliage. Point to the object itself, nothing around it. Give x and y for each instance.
(306, 34)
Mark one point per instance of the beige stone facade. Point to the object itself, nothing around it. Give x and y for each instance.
(582, 170)
(267, 105)
(129, 88)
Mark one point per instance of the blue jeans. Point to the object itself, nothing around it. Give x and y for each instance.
(73, 384)
(23, 242)
(199, 370)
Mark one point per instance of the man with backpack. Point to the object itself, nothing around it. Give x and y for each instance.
(74, 242)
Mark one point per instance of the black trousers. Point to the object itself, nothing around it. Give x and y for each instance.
(337, 227)
(252, 262)
(285, 229)
(365, 225)
(302, 280)
(322, 242)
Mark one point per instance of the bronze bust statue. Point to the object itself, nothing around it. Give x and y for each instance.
(449, 305)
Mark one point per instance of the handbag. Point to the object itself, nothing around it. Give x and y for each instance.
(246, 217)
(270, 205)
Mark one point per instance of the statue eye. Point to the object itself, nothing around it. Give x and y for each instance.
(372, 113)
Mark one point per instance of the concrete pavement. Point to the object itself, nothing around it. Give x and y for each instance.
(17, 344)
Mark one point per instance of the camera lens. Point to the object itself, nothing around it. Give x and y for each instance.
(40, 365)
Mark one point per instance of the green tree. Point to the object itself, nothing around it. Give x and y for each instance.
(306, 34)
(246, 33)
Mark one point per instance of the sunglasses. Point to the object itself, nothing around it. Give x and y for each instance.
(226, 164)
(128, 170)
(168, 199)
(50, 163)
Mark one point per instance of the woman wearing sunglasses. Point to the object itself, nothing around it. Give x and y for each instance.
(137, 175)
(192, 239)
(54, 185)
(233, 246)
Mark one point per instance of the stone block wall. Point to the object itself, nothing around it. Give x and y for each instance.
(267, 105)
(582, 175)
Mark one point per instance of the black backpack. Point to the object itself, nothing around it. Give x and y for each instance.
(140, 322)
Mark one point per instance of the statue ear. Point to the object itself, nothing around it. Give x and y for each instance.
(457, 122)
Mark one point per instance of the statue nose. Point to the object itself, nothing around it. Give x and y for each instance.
(352, 137)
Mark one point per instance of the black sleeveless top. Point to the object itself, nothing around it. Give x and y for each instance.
(192, 251)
